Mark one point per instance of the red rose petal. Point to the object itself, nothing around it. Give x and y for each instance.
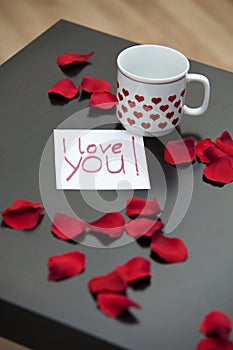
(180, 152)
(216, 323)
(111, 224)
(89, 84)
(23, 214)
(134, 269)
(201, 146)
(66, 227)
(104, 100)
(65, 265)
(115, 304)
(65, 88)
(22, 203)
(143, 227)
(111, 282)
(213, 152)
(136, 206)
(214, 344)
(220, 170)
(73, 58)
(170, 249)
(225, 142)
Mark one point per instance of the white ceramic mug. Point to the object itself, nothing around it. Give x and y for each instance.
(151, 88)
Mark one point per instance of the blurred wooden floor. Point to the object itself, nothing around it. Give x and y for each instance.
(201, 29)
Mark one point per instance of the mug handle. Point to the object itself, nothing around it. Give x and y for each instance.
(202, 109)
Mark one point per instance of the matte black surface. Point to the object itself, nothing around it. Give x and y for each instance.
(179, 295)
(41, 333)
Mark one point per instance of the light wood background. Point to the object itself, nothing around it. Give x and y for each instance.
(201, 29)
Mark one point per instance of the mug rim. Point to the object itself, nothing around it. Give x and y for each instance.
(142, 79)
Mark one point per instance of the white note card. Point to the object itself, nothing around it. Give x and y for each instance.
(99, 160)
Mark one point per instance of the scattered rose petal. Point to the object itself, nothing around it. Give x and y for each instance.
(134, 269)
(170, 249)
(65, 265)
(104, 100)
(225, 142)
(220, 170)
(213, 152)
(89, 84)
(73, 58)
(114, 304)
(201, 146)
(180, 152)
(23, 214)
(216, 323)
(139, 206)
(143, 227)
(111, 224)
(66, 227)
(213, 343)
(65, 88)
(111, 282)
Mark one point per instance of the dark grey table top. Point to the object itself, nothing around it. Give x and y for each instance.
(43, 314)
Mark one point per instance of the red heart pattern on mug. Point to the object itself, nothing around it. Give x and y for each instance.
(139, 98)
(169, 115)
(164, 108)
(131, 121)
(124, 108)
(125, 92)
(138, 114)
(182, 93)
(177, 103)
(147, 108)
(131, 103)
(162, 125)
(154, 117)
(146, 125)
(156, 100)
(171, 98)
(119, 114)
(175, 121)
(120, 97)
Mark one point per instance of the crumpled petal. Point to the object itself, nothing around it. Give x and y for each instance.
(65, 265)
(111, 282)
(134, 269)
(220, 170)
(23, 214)
(66, 227)
(225, 142)
(103, 100)
(89, 84)
(213, 343)
(139, 206)
(65, 88)
(216, 323)
(200, 148)
(73, 58)
(143, 227)
(115, 304)
(170, 249)
(111, 224)
(180, 152)
(213, 152)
